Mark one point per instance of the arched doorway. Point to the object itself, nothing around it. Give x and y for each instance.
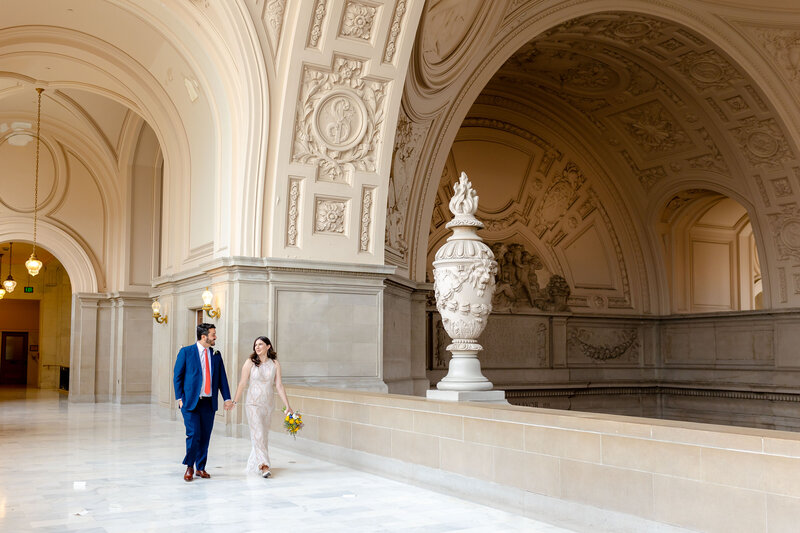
(36, 321)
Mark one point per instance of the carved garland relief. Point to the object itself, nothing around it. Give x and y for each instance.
(604, 345)
(339, 120)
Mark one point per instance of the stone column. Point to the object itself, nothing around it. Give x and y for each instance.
(464, 272)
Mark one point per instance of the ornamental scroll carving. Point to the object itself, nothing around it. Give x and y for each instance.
(316, 23)
(407, 144)
(394, 31)
(366, 218)
(339, 120)
(612, 344)
(293, 213)
(517, 284)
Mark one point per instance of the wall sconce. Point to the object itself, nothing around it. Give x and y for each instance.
(213, 312)
(157, 313)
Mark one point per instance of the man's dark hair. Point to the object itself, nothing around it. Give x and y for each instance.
(203, 328)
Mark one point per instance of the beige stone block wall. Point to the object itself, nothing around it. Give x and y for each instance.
(696, 476)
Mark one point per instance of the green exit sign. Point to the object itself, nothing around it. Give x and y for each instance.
(28, 289)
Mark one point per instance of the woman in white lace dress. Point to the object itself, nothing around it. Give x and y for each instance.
(263, 371)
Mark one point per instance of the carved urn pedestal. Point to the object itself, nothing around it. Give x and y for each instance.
(464, 278)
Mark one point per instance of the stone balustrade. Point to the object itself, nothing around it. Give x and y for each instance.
(555, 464)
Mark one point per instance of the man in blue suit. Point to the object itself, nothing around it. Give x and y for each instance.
(199, 378)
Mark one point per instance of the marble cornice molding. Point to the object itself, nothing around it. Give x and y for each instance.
(404, 283)
(260, 268)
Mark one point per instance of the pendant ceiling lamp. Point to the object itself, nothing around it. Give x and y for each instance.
(9, 284)
(33, 264)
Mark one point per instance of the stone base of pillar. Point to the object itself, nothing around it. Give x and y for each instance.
(487, 396)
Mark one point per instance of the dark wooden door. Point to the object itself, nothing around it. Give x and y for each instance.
(14, 358)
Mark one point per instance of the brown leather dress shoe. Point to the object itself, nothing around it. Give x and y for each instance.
(203, 474)
(189, 475)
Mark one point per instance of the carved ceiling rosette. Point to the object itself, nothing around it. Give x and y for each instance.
(339, 119)
(464, 280)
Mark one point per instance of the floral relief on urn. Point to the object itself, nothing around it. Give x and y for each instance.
(464, 281)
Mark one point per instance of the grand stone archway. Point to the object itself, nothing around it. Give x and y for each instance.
(590, 120)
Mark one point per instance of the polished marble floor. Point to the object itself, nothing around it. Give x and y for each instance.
(102, 467)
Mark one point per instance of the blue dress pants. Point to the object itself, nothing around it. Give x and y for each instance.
(199, 422)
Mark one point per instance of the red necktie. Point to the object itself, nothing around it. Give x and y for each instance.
(207, 390)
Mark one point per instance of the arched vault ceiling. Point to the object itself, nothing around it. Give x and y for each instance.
(662, 100)
(655, 98)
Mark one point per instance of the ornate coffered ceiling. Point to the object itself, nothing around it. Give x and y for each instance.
(659, 97)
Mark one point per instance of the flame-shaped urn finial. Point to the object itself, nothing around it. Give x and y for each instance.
(464, 278)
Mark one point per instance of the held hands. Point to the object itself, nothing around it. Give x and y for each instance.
(229, 404)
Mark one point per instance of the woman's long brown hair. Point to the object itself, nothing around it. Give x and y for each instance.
(270, 351)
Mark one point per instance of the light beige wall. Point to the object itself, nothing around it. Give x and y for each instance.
(55, 318)
(700, 477)
(405, 336)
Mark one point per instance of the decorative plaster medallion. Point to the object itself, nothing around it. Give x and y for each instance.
(330, 215)
(762, 142)
(358, 20)
(634, 29)
(394, 31)
(708, 70)
(339, 120)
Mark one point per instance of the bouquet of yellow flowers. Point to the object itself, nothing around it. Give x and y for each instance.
(293, 423)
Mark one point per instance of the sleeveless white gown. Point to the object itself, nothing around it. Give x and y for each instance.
(259, 406)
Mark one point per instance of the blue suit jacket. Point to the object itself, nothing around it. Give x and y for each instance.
(188, 377)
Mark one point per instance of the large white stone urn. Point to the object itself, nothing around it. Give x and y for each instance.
(464, 277)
